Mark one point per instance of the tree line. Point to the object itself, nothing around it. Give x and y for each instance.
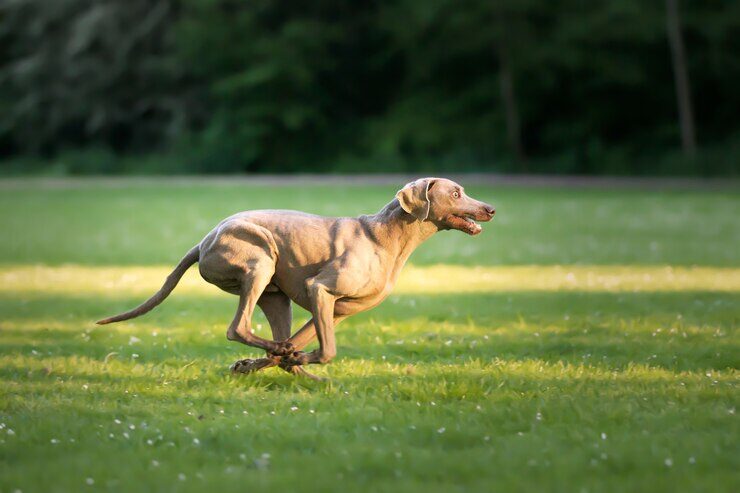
(628, 86)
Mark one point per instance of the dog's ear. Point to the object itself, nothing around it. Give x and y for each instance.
(414, 198)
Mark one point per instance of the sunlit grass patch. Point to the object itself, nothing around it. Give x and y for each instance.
(439, 279)
(459, 279)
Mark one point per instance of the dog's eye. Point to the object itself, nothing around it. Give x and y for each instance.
(456, 194)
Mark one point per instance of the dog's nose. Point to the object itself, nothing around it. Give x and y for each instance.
(490, 210)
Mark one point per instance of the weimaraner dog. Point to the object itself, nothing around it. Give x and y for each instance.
(332, 267)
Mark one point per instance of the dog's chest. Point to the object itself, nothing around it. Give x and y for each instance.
(371, 295)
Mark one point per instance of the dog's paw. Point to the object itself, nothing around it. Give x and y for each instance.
(283, 348)
(250, 365)
(296, 358)
(242, 366)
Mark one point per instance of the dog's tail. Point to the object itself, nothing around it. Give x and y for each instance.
(164, 291)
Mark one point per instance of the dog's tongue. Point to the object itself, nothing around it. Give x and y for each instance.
(474, 227)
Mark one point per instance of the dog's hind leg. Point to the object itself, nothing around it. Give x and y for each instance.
(276, 307)
(277, 310)
(253, 283)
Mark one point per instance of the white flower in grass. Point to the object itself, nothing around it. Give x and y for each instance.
(134, 356)
(293, 408)
(668, 462)
(441, 430)
(89, 481)
(10, 432)
(262, 462)
(538, 416)
(374, 428)
(150, 442)
(117, 421)
(155, 463)
(131, 427)
(125, 435)
(196, 441)
(692, 460)
(603, 436)
(54, 441)
(182, 477)
(133, 340)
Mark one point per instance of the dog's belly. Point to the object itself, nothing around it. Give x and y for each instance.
(343, 306)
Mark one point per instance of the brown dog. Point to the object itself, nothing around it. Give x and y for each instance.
(332, 267)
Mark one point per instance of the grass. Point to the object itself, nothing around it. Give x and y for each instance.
(587, 341)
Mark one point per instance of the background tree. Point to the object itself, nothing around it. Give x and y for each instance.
(273, 85)
(78, 73)
(681, 78)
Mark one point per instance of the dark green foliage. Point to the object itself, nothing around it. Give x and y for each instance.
(79, 73)
(271, 85)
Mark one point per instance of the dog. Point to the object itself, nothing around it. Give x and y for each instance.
(332, 267)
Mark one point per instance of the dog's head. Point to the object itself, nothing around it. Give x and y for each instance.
(444, 203)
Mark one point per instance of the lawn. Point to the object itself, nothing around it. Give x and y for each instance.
(586, 341)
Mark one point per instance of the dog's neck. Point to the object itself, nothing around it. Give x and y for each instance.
(399, 232)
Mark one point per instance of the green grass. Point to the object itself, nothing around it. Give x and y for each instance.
(586, 341)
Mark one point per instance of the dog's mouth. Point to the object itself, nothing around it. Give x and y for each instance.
(467, 223)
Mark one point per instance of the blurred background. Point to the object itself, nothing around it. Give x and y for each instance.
(626, 87)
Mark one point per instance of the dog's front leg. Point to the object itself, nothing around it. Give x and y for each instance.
(322, 308)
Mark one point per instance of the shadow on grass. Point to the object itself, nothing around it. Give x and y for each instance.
(542, 307)
(678, 331)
